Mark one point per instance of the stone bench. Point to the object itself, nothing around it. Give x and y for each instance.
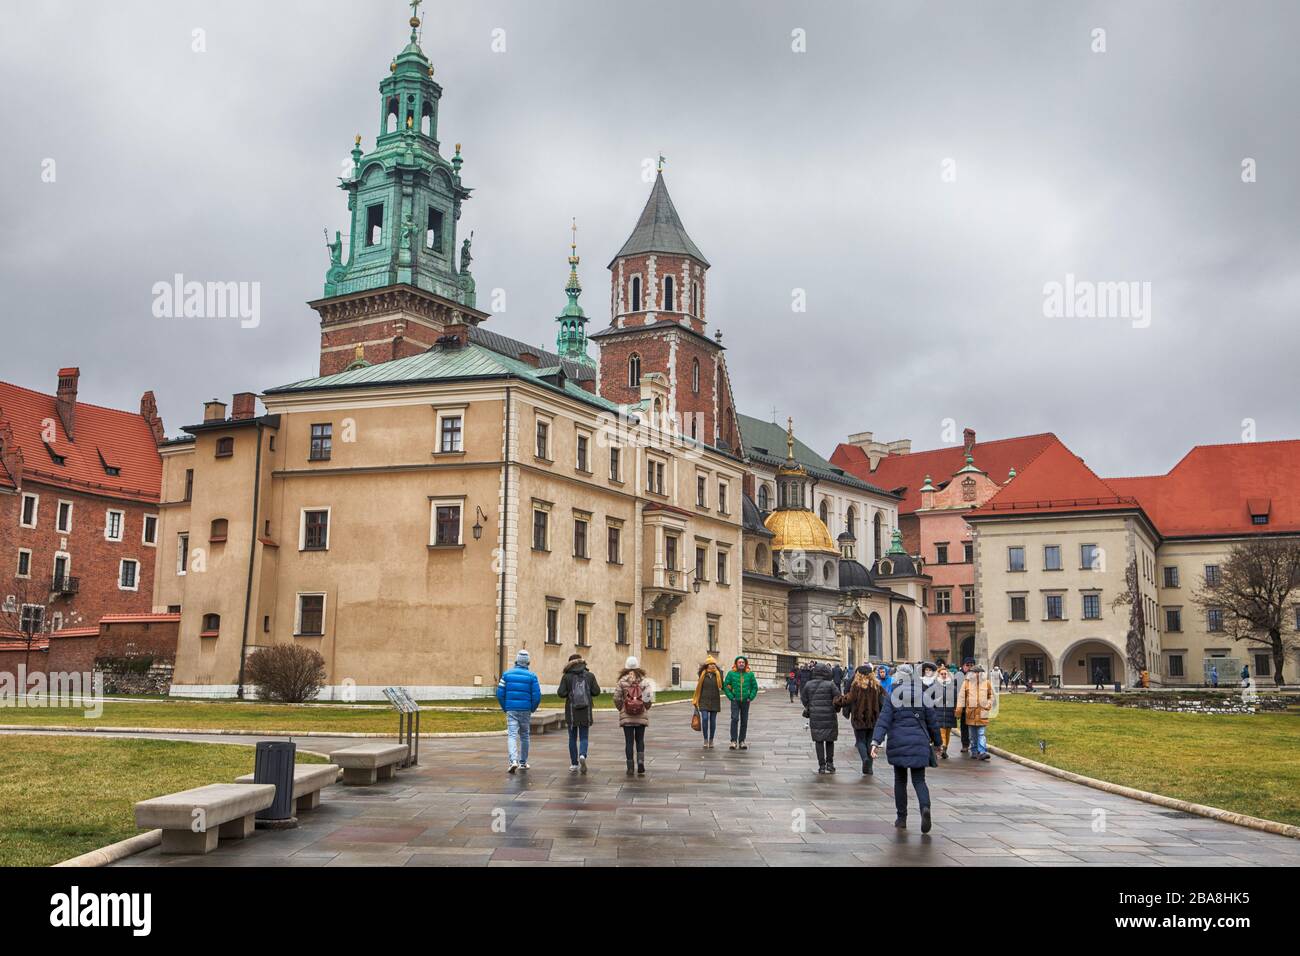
(544, 723)
(365, 763)
(227, 810)
(308, 779)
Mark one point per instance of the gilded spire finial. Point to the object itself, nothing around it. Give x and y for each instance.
(415, 17)
(789, 439)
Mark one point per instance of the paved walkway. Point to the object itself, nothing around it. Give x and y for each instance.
(743, 808)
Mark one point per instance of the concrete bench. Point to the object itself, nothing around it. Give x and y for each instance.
(544, 723)
(308, 779)
(365, 763)
(192, 820)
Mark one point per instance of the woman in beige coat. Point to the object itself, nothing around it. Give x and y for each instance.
(974, 701)
(633, 696)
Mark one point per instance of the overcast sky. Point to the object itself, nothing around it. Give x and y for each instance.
(828, 171)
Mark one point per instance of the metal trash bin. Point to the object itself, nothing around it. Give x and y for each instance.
(274, 764)
(1119, 689)
(1055, 681)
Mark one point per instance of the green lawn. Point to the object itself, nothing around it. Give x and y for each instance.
(554, 702)
(1249, 763)
(248, 715)
(64, 796)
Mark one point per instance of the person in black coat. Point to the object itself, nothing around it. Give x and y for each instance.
(821, 704)
(579, 718)
(912, 729)
(837, 676)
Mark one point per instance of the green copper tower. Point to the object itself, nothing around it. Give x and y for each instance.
(571, 340)
(404, 197)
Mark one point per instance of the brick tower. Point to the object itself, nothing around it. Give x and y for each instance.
(658, 308)
(401, 285)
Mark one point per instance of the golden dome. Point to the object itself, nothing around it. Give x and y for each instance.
(799, 530)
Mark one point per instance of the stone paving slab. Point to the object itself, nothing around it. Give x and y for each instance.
(765, 806)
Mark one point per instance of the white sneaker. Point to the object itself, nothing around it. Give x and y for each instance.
(523, 766)
(573, 768)
(513, 768)
(582, 763)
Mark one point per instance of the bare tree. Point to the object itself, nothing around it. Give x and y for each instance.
(1256, 591)
(22, 613)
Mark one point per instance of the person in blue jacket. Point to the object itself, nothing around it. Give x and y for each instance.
(519, 693)
(912, 728)
(885, 678)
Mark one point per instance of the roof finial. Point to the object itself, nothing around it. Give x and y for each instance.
(415, 17)
(660, 165)
(789, 438)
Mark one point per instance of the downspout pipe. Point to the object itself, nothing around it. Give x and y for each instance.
(505, 518)
(252, 560)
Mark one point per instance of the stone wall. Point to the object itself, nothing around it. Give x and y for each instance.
(1181, 702)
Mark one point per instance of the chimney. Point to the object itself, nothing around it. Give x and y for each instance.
(968, 441)
(214, 411)
(149, 412)
(454, 335)
(877, 450)
(244, 406)
(530, 358)
(65, 402)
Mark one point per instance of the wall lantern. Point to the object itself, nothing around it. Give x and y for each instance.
(479, 518)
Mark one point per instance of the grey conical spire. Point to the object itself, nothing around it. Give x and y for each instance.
(660, 229)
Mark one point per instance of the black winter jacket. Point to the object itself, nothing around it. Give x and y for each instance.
(582, 717)
(821, 698)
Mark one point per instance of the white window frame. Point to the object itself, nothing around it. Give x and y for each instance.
(434, 505)
(724, 497)
(302, 526)
(121, 565)
(580, 433)
(456, 412)
(297, 611)
(28, 575)
(67, 564)
(56, 621)
(108, 524)
(144, 527)
(25, 606)
(36, 510)
(182, 553)
(57, 509)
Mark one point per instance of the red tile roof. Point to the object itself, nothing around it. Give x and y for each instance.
(123, 439)
(1211, 491)
(1055, 481)
(907, 472)
(139, 618)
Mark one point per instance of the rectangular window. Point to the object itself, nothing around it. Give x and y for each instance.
(1263, 665)
(724, 495)
(374, 224)
(615, 543)
(654, 476)
(450, 439)
(713, 637)
(942, 601)
(620, 627)
(1018, 609)
(1173, 619)
(968, 600)
(29, 511)
(149, 535)
(701, 562)
(182, 552)
(1171, 576)
(583, 464)
(31, 619)
(654, 633)
(968, 552)
(1089, 557)
(724, 560)
(1052, 557)
(1212, 577)
(1015, 559)
(24, 563)
(543, 440)
(582, 628)
(615, 465)
(189, 484)
(311, 615)
(552, 625)
(225, 447)
(63, 522)
(701, 491)
(315, 530)
(941, 554)
(113, 525)
(126, 577)
(433, 234)
(1214, 619)
(580, 537)
(670, 552)
(1176, 665)
(1055, 607)
(446, 524)
(322, 442)
(1092, 607)
(541, 522)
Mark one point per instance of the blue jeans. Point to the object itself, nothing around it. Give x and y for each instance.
(577, 742)
(518, 729)
(739, 718)
(708, 723)
(979, 740)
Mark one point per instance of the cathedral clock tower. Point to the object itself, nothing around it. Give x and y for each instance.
(403, 279)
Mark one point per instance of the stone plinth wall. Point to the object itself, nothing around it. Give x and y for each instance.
(1186, 703)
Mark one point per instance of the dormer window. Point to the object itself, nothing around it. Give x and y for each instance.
(54, 455)
(1259, 509)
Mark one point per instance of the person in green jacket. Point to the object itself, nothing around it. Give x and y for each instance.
(741, 687)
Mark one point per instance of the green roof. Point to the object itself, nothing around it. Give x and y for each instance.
(765, 443)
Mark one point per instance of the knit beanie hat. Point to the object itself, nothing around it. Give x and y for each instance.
(631, 664)
(522, 659)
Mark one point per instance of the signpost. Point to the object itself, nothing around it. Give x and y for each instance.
(408, 722)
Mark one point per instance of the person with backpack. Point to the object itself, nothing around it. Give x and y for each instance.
(708, 699)
(519, 693)
(579, 689)
(862, 705)
(974, 703)
(821, 705)
(741, 687)
(912, 732)
(634, 694)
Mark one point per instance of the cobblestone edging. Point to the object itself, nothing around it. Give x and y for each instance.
(1173, 803)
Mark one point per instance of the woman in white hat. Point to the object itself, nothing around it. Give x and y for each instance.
(633, 696)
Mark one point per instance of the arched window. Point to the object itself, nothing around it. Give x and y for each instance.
(390, 118)
(876, 532)
(426, 120)
(211, 624)
(636, 293)
(763, 501)
(695, 299)
(901, 631)
(695, 376)
(851, 521)
(761, 557)
(824, 513)
(218, 531)
(668, 294)
(634, 369)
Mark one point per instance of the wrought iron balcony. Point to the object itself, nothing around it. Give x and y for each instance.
(63, 584)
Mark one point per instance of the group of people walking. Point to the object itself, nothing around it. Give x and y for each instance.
(911, 708)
